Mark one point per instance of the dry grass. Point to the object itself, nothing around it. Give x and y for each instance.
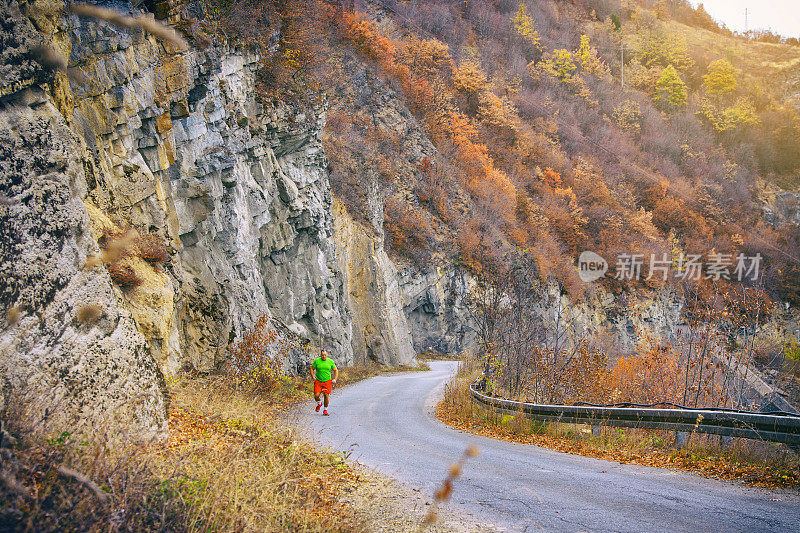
(248, 470)
(151, 248)
(762, 464)
(231, 463)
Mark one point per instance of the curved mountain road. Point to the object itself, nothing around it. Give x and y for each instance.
(387, 423)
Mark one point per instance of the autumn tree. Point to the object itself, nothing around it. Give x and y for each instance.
(560, 64)
(470, 80)
(723, 119)
(426, 58)
(590, 60)
(718, 105)
(719, 82)
(524, 25)
(298, 46)
(498, 114)
(670, 90)
(655, 46)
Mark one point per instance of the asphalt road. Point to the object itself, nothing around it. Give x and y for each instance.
(387, 423)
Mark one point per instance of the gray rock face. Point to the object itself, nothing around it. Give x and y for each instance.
(380, 330)
(70, 355)
(434, 304)
(174, 145)
(183, 150)
(779, 207)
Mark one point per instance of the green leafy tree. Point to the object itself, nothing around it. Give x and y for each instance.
(616, 22)
(670, 90)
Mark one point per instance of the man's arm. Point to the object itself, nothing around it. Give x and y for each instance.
(313, 374)
(335, 374)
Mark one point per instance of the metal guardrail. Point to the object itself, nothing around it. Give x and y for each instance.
(783, 428)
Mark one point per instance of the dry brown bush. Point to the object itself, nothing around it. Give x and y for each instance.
(253, 363)
(123, 275)
(151, 248)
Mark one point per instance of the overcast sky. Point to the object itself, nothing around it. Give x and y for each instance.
(780, 16)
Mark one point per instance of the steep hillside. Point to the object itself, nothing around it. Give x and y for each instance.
(506, 138)
(524, 106)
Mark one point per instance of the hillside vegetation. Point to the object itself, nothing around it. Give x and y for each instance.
(535, 143)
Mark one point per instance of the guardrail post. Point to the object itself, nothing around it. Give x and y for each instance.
(681, 438)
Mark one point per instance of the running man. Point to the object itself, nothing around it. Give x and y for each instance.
(321, 372)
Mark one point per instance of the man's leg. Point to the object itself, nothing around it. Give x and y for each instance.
(325, 397)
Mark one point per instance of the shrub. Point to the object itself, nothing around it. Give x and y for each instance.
(63, 485)
(151, 248)
(407, 231)
(628, 116)
(551, 178)
(123, 275)
(254, 364)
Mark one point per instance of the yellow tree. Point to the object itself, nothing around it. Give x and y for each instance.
(670, 90)
(720, 81)
(561, 63)
(590, 61)
(524, 25)
(719, 85)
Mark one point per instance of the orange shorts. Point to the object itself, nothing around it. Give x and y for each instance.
(323, 386)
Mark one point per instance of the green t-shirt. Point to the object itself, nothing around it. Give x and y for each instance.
(323, 368)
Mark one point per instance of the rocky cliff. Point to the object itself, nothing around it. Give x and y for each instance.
(181, 149)
(380, 330)
(168, 149)
(71, 355)
(436, 309)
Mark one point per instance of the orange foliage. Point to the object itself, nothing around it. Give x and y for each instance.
(652, 375)
(252, 364)
(661, 372)
(418, 66)
(551, 178)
